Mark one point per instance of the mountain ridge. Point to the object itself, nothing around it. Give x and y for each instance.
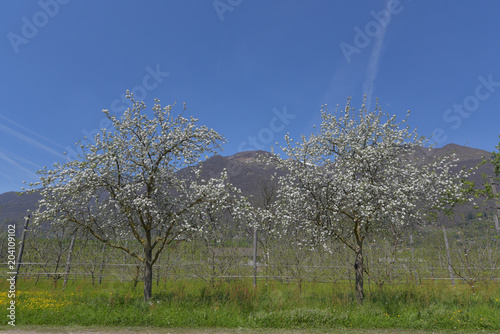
(247, 173)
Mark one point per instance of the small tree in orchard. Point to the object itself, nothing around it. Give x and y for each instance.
(488, 191)
(358, 175)
(124, 187)
(221, 222)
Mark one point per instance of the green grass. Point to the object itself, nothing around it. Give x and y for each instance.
(195, 304)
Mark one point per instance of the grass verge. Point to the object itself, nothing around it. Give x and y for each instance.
(195, 304)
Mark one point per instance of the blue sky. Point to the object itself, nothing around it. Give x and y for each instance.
(252, 70)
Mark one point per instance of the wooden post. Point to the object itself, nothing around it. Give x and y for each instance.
(68, 259)
(413, 258)
(497, 201)
(255, 256)
(102, 263)
(448, 257)
(21, 246)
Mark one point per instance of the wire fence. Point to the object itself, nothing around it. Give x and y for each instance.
(409, 260)
(301, 273)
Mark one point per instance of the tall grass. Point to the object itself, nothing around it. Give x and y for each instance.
(195, 304)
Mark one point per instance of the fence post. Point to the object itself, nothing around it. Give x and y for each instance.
(497, 201)
(21, 246)
(102, 263)
(448, 257)
(68, 259)
(255, 256)
(414, 265)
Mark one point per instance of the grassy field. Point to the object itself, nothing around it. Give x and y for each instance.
(197, 305)
(148, 330)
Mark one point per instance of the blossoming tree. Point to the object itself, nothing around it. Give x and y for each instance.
(124, 186)
(357, 175)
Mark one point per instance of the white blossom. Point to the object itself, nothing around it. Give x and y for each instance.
(359, 174)
(126, 184)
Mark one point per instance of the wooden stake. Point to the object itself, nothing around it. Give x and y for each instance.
(21, 246)
(68, 259)
(448, 257)
(255, 257)
(102, 263)
(413, 258)
(494, 189)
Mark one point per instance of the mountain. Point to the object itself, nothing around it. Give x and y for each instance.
(14, 206)
(247, 173)
(244, 170)
(468, 158)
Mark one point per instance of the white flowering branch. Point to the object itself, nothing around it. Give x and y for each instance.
(125, 184)
(360, 173)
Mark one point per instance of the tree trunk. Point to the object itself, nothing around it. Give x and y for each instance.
(148, 275)
(358, 268)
